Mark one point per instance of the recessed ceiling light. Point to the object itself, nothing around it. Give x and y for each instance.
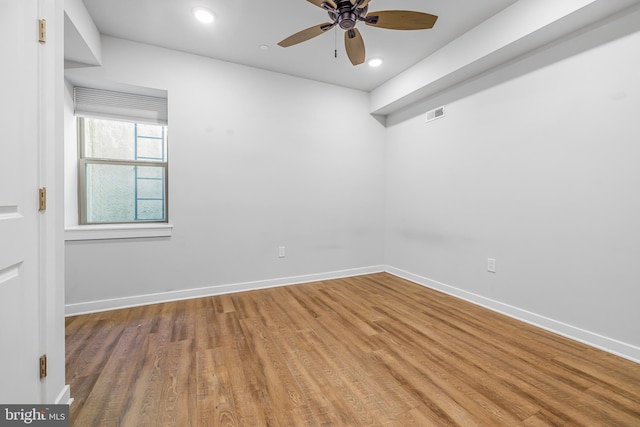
(204, 15)
(375, 62)
(264, 47)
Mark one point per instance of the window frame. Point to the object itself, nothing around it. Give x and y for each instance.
(83, 161)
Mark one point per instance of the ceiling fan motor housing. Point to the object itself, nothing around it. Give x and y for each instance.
(347, 14)
(347, 20)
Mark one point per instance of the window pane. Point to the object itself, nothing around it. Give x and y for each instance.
(150, 210)
(150, 172)
(150, 188)
(115, 140)
(124, 193)
(150, 130)
(110, 193)
(150, 149)
(107, 139)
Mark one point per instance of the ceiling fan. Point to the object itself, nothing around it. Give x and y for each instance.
(347, 13)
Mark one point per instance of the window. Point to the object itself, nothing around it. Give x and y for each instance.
(122, 165)
(123, 171)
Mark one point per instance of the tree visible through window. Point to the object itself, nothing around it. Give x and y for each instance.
(123, 171)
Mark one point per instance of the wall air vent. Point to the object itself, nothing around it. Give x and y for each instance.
(435, 114)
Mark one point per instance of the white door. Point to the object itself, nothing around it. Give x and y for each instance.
(19, 217)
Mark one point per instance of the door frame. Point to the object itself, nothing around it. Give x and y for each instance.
(51, 221)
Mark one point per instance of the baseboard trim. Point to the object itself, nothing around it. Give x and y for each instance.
(139, 300)
(64, 398)
(592, 339)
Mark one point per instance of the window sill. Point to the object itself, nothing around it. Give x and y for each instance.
(117, 231)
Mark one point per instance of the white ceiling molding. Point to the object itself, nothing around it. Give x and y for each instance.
(81, 36)
(523, 27)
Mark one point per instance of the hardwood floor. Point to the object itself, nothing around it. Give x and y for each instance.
(368, 350)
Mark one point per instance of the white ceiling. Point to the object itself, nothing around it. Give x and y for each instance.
(242, 26)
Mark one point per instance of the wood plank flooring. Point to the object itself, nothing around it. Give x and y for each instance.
(368, 350)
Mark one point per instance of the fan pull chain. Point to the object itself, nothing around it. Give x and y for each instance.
(335, 43)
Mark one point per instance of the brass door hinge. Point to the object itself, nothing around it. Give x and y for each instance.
(42, 199)
(42, 31)
(43, 366)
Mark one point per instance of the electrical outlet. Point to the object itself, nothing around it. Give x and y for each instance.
(491, 265)
(281, 252)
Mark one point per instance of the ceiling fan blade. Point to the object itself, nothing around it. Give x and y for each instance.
(319, 3)
(355, 46)
(304, 35)
(401, 20)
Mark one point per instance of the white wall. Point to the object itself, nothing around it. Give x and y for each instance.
(541, 173)
(257, 160)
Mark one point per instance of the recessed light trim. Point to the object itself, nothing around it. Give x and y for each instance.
(204, 15)
(375, 62)
(264, 47)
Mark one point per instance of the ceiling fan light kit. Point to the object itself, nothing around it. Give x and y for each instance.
(346, 14)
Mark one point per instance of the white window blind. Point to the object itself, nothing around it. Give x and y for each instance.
(108, 104)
